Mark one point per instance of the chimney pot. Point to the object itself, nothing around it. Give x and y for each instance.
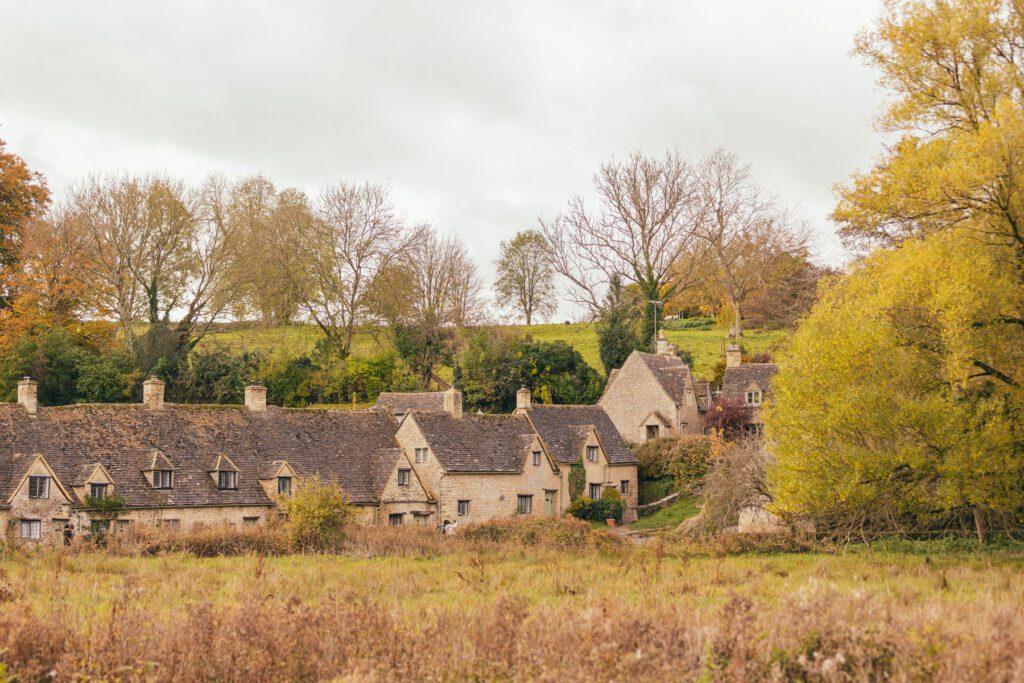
(453, 402)
(733, 356)
(153, 393)
(256, 398)
(28, 395)
(523, 398)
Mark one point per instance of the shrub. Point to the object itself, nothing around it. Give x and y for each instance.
(317, 513)
(685, 459)
(213, 541)
(608, 507)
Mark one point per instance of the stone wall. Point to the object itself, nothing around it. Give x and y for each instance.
(633, 394)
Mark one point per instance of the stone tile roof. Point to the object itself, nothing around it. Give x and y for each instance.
(703, 391)
(738, 378)
(670, 371)
(564, 429)
(477, 443)
(128, 439)
(398, 403)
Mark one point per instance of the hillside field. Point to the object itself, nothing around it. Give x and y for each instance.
(909, 612)
(706, 345)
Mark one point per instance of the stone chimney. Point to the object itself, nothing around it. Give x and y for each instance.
(523, 398)
(661, 346)
(27, 395)
(733, 356)
(256, 398)
(153, 393)
(453, 402)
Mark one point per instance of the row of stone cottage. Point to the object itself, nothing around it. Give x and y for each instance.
(411, 459)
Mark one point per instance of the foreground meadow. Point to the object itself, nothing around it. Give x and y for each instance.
(416, 608)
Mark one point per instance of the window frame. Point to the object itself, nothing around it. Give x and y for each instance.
(592, 453)
(462, 509)
(404, 477)
(396, 519)
(537, 458)
(33, 483)
(232, 478)
(35, 529)
(159, 476)
(287, 489)
(590, 491)
(102, 488)
(754, 397)
(653, 432)
(624, 487)
(526, 509)
(420, 455)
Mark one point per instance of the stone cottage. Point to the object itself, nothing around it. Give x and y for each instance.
(477, 467)
(747, 384)
(585, 436)
(655, 395)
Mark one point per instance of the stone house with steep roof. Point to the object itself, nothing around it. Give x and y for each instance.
(584, 435)
(655, 395)
(184, 465)
(747, 384)
(477, 467)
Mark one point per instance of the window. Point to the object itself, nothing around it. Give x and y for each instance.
(396, 519)
(624, 486)
(592, 453)
(172, 524)
(403, 477)
(524, 505)
(38, 487)
(595, 492)
(100, 526)
(463, 508)
(284, 486)
(536, 458)
(163, 479)
(421, 455)
(652, 432)
(753, 398)
(97, 491)
(420, 518)
(31, 529)
(227, 480)
(123, 524)
(250, 521)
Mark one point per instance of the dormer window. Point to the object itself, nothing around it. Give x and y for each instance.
(753, 398)
(284, 486)
(39, 487)
(163, 479)
(227, 480)
(97, 491)
(592, 453)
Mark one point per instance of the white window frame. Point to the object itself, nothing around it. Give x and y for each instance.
(160, 475)
(754, 397)
(40, 495)
(232, 480)
(624, 486)
(34, 528)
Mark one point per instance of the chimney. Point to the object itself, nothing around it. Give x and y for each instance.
(453, 402)
(733, 356)
(256, 398)
(523, 398)
(661, 346)
(27, 389)
(153, 393)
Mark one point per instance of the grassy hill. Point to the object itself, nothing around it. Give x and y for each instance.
(706, 345)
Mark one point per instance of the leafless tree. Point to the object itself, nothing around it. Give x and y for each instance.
(747, 232)
(642, 231)
(334, 258)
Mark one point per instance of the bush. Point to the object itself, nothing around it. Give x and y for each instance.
(317, 513)
(608, 507)
(685, 459)
(214, 541)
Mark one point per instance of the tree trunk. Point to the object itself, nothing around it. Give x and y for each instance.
(737, 324)
(979, 525)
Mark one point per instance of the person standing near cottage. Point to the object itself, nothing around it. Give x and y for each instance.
(69, 534)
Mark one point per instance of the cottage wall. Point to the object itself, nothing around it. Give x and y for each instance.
(496, 495)
(633, 394)
(412, 500)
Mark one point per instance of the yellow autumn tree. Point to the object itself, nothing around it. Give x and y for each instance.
(898, 403)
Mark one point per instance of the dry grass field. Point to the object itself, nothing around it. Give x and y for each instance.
(402, 605)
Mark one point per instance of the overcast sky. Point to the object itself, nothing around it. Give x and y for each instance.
(481, 115)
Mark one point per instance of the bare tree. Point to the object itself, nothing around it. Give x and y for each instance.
(642, 232)
(353, 236)
(747, 232)
(526, 276)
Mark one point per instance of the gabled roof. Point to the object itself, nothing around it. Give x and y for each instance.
(130, 439)
(703, 392)
(564, 430)
(739, 377)
(86, 472)
(477, 443)
(223, 464)
(410, 402)
(670, 371)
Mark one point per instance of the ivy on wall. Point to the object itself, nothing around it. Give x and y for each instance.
(577, 479)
